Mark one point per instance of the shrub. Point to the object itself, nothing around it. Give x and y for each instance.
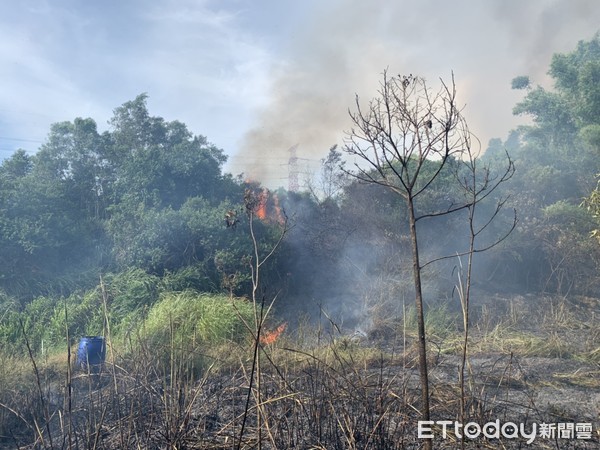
(190, 317)
(130, 290)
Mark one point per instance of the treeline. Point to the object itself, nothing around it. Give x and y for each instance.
(147, 194)
(558, 162)
(144, 205)
(116, 220)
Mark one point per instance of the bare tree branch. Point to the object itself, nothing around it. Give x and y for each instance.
(404, 140)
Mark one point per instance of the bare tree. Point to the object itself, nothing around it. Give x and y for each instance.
(254, 201)
(477, 184)
(403, 139)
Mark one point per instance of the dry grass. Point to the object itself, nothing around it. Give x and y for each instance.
(317, 389)
(589, 379)
(505, 340)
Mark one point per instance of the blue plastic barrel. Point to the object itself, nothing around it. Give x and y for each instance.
(91, 352)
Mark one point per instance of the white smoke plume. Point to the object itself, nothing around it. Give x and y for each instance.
(346, 44)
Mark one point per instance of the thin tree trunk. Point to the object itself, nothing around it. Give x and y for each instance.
(465, 300)
(423, 370)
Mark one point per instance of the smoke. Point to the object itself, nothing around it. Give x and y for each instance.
(312, 90)
(344, 46)
(538, 29)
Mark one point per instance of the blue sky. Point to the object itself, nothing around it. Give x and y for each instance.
(257, 77)
(64, 59)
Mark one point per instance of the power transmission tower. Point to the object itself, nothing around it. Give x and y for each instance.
(293, 170)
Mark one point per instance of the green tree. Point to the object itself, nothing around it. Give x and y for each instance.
(75, 158)
(50, 217)
(577, 77)
(87, 200)
(14, 257)
(557, 162)
(170, 195)
(574, 103)
(331, 179)
(161, 163)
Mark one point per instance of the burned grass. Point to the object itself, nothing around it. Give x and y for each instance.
(320, 391)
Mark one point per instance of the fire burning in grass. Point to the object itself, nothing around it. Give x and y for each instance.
(271, 336)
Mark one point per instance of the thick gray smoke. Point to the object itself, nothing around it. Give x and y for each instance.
(537, 29)
(343, 47)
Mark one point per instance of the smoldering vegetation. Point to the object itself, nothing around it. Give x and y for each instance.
(353, 260)
(318, 388)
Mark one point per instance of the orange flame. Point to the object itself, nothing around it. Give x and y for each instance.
(261, 211)
(272, 336)
(264, 204)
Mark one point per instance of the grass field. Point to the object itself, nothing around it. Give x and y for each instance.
(183, 379)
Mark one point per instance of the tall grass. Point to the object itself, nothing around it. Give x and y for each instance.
(329, 390)
(206, 318)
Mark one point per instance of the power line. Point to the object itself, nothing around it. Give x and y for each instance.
(8, 138)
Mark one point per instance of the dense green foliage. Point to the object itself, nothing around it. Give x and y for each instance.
(557, 161)
(142, 205)
(208, 319)
(147, 194)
